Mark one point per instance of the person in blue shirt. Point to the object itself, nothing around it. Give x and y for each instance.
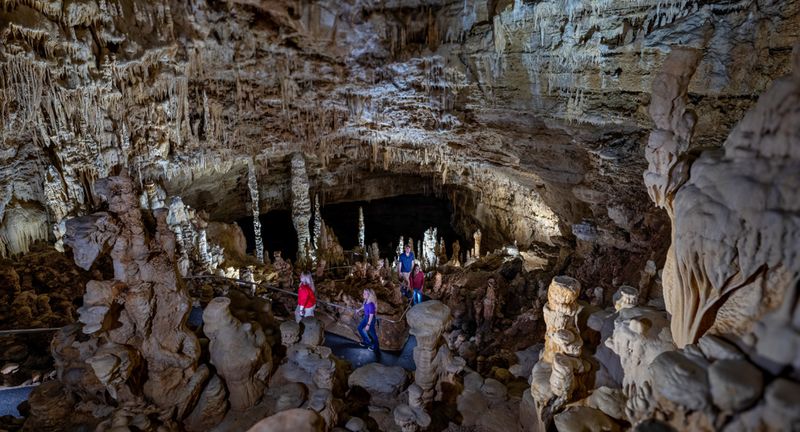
(369, 337)
(405, 264)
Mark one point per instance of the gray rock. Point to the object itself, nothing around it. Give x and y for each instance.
(584, 419)
(680, 380)
(716, 348)
(355, 424)
(609, 401)
(735, 384)
(377, 378)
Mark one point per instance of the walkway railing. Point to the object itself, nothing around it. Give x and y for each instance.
(28, 331)
(241, 282)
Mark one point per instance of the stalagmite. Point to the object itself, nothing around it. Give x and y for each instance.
(301, 207)
(361, 238)
(476, 250)
(148, 325)
(557, 374)
(245, 373)
(429, 257)
(252, 185)
(318, 228)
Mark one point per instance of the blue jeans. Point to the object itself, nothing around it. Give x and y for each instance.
(372, 334)
(417, 297)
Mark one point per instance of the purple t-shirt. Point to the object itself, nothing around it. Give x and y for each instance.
(369, 309)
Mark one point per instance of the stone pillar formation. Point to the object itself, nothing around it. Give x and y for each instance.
(301, 207)
(555, 376)
(252, 184)
(137, 320)
(361, 237)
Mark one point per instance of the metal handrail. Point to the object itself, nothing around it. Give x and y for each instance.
(274, 288)
(26, 331)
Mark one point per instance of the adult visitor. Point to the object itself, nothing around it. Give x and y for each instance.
(417, 283)
(369, 337)
(404, 264)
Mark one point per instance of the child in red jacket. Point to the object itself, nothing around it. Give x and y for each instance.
(306, 298)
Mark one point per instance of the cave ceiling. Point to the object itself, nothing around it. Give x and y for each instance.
(535, 110)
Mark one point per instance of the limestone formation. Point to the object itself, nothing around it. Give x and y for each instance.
(476, 250)
(434, 361)
(716, 261)
(293, 420)
(255, 204)
(301, 207)
(429, 257)
(147, 329)
(239, 352)
(531, 122)
(627, 297)
(557, 375)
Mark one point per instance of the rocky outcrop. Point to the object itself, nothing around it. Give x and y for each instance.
(719, 273)
(135, 321)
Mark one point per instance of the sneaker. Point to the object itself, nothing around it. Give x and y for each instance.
(362, 344)
(371, 348)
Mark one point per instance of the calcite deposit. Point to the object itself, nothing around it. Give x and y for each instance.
(619, 183)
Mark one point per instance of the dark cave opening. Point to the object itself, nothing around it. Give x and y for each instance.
(385, 220)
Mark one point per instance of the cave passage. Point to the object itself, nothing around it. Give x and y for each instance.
(277, 231)
(385, 220)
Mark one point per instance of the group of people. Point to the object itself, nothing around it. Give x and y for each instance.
(412, 282)
(411, 275)
(307, 303)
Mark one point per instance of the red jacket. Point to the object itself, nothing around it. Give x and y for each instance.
(417, 281)
(305, 296)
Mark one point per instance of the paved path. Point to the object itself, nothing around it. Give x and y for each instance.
(357, 356)
(11, 397)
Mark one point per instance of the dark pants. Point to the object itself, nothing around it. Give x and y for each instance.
(417, 297)
(372, 334)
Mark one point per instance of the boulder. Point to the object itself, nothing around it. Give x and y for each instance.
(680, 380)
(293, 420)
(377, 378)
(734, 384)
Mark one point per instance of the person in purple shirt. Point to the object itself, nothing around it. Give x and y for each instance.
(369, 337)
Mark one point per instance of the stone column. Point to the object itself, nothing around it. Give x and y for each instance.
(252, 184)
(361, 235)
(301, 206)
(555, 376)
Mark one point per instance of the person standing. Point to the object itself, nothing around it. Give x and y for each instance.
(366, 329)
(306, 298)
(417, 283)
(405, 263)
